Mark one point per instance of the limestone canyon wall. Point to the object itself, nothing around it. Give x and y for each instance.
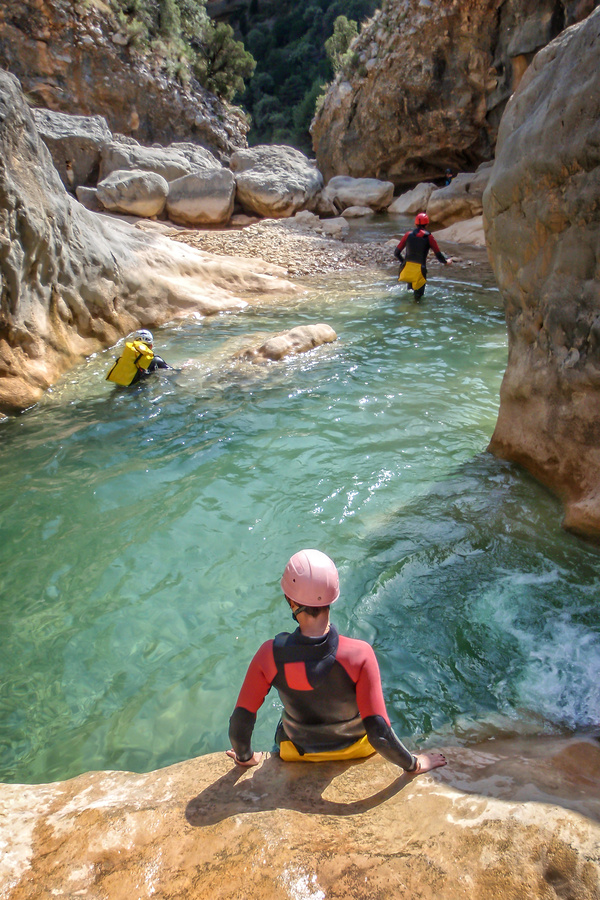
(72, 58)
(427, 83)
(73, 282)
(542, 215)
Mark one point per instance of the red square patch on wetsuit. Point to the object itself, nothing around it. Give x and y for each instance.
(295, 675)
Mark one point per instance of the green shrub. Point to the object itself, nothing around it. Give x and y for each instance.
(185, 40)
(336, 47)
(222, 64)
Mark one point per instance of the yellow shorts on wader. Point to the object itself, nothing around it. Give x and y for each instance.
(412, 274)
(358, 750)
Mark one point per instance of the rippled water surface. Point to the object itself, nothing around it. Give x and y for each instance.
(143, 533)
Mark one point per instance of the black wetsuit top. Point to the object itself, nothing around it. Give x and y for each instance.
(330, 688)
(155, 363)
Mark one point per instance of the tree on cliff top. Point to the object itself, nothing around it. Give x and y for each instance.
(222, 64)
(336, 47)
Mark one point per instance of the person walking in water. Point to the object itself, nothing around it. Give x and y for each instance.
(329, 685)
(137, 360)
(418, 243)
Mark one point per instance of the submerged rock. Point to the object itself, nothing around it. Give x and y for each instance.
(289, 343)
(504, 820)
(542, 213)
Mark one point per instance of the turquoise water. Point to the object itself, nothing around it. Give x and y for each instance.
(143, 533)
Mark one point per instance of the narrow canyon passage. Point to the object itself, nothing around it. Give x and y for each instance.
(141, 530)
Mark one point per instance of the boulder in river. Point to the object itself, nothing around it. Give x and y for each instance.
(133, 193)
(345, 191)
(357, 212)
(204, 197)
(274, 181)
(289, 343)
(412, 201)
(461, 199)
(469, 231)
(542, 216)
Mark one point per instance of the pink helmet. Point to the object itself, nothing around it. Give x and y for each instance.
(422, 219)
(311, 579)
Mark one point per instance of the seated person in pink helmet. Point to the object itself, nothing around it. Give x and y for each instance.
(329, 685)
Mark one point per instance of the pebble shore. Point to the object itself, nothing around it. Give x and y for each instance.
(281, 242)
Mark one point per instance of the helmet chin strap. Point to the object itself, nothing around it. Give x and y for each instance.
(299, 610)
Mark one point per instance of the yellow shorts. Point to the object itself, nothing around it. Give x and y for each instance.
(358, 750)
(412, 274)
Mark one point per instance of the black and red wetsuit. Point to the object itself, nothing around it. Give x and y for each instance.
(330, 688)
(418, 243)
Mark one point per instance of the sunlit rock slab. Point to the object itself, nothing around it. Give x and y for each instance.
(506, 819)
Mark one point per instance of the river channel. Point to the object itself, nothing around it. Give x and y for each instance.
(143, 533)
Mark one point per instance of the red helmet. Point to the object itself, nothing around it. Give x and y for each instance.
(422, 219)
(311, 579)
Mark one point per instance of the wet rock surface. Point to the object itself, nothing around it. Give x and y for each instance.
(289, 343)
(506, 819)
(541, 209)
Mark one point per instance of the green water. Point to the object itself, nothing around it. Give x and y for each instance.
(143, 533)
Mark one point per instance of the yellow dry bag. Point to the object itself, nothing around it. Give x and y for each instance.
(136, 355)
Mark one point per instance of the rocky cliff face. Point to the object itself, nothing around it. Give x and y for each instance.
(542, 211)
(341, 831)
(72, 57)
(428, 82)
(72, 282)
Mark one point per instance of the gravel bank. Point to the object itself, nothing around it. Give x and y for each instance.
(285, 243)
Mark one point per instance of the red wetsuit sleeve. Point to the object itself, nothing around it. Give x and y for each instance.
(400, 246)
(434, 246)
(258, 680)
(359, 661)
